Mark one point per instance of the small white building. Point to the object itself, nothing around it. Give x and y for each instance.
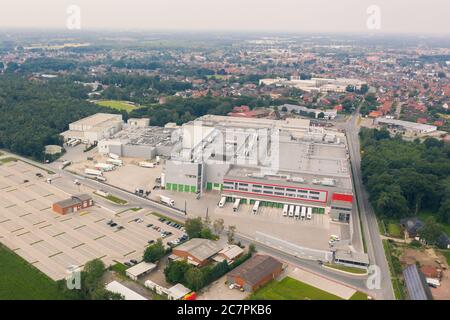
(140, 269)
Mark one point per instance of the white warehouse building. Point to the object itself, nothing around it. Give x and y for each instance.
(94, 128)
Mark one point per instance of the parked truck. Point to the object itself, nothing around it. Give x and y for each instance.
(104, 167)
(144, 164)
(114, 156)
(93, 172)
(116, 162)
(167, 200)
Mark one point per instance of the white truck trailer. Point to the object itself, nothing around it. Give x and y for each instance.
(236, 204)
(93, 172)
(291, 210)
(309, 213)
(144, 164)
(104, 166)
(116, 162)
(297, 212)
(255, 207)
(222, 202)
(303, 213)
(167, 200)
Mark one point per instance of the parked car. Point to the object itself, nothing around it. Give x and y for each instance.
(128, 264)
(113, 224)
(133, 261)
(120, 227)
(150, 225)
(151, 241)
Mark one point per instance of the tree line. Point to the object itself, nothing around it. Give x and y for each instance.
(404, 178)
(35, 112)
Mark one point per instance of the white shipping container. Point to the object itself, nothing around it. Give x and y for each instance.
(146, 164)
(115, 162)
(237, 202)
(255, 207)
(93, 172)
(104, 166)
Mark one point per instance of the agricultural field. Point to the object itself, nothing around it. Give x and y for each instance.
(19, 280)
(118, 105)
(291, 289)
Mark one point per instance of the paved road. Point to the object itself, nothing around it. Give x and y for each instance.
(372, 237)
(357, 282)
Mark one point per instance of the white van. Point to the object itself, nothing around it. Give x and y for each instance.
(291, 211)
(303, 213)
(237, 202)
(222, 202)
(297, 212)
(285, 210)
(309, 213)
(255, 207)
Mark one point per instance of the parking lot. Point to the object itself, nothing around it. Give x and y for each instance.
(53, 242)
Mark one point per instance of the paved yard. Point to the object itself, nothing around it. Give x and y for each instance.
(218, 290)
(52, 242)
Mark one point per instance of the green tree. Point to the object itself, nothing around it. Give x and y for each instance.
(218, 226)
(206, 233)
(91, 276)
(230, 234)
(101, 293)
(431, 231)
(154, 252)
(175, 271)
(194, 227)
(194, 279)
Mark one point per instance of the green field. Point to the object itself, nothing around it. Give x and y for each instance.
(19, 280)
(116, 104)
(291, 289)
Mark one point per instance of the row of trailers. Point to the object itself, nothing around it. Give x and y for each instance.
(299, 212)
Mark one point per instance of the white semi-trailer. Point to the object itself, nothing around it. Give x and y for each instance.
(309, 213)
(93, 172)
(303, 213)
(236, 205)
(116, 162)
(104, 167)
(167, 200)
(144, 164)
(255, 207)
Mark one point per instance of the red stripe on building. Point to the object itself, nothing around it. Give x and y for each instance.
(342, 197)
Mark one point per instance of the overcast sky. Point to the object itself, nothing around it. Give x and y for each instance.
(397, 16)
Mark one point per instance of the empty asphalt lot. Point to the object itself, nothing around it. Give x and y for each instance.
(52, 242)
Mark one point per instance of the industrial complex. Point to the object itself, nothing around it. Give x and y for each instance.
(290, 166)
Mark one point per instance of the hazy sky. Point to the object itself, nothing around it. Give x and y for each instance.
(413, 16)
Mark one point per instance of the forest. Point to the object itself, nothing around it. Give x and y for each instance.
(405, 178)
(34, 112)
